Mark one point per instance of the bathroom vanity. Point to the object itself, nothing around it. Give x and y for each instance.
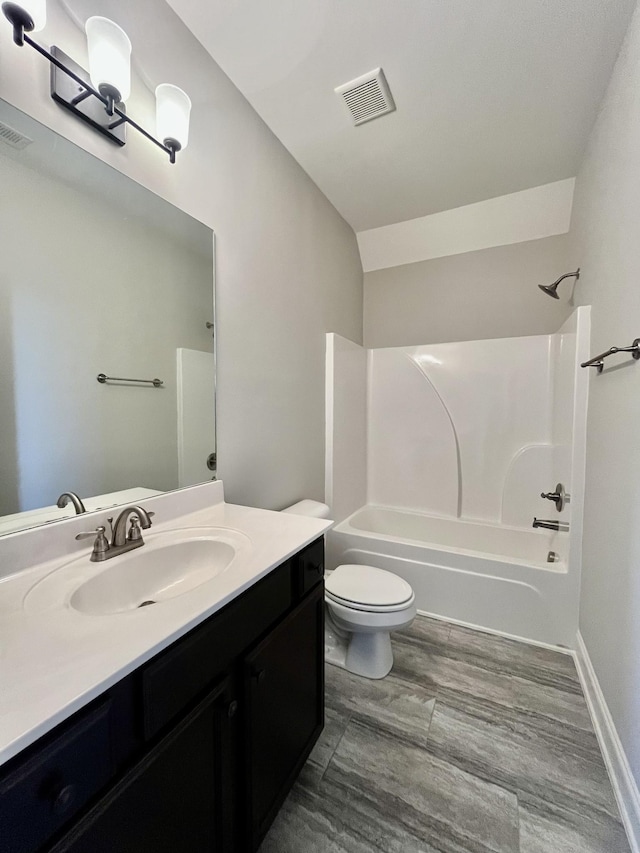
(192, 747)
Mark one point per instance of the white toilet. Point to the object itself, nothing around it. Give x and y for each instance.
(363, 605)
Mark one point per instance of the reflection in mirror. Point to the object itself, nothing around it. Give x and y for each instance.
(98, 276)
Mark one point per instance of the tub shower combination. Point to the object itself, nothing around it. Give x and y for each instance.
(438, 458)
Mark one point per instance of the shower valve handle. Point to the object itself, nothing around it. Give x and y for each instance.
(559, 497)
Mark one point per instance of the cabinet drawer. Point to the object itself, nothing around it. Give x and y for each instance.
(181, 674)
(40, 794)
(310, 569)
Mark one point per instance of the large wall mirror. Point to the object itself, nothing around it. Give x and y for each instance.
(97, 276)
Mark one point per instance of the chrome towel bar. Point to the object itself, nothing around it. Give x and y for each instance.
(597, 360)
(157, 383)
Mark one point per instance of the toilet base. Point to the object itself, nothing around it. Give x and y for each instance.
(335, 645)
(370, 655)
(367, 655)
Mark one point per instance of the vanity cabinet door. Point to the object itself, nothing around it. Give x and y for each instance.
(43, 792)
(177, 799)
(284, 691)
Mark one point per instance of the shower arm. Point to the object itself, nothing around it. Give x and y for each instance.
(566, 275)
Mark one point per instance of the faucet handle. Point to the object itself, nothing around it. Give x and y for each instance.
(99, 531)
(559, 497)
(100, 546)
(134, 534)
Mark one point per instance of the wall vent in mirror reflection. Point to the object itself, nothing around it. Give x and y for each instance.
(66, 316)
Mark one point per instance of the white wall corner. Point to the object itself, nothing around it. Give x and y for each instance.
(622, 781)
(532, 214)
(329, 417)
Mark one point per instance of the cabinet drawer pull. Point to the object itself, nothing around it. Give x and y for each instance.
(63, 798)
(315, 567)
(259, 675)
(232, 709)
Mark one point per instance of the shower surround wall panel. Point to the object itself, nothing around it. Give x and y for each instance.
(461, 440)
(346, 445)
(447, 420)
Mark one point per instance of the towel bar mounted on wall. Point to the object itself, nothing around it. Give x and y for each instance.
(597, 360)
(157, 383)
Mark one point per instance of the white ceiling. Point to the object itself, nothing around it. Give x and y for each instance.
(493, 96)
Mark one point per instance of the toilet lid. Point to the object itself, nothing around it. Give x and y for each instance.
(367, 585)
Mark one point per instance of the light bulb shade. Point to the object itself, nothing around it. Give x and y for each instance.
(109, 55)
(173, 108)
(38, 11)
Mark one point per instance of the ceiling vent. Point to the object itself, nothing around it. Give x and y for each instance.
(367, 97)
(13, 137)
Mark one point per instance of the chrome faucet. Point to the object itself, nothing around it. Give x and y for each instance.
(71, 497)
(550, 524)
(122, 540)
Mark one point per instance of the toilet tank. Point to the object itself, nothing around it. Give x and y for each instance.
(313, 509)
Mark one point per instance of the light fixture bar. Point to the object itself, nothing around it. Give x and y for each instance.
(23, 23)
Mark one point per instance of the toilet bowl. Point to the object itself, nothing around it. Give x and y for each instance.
(363, 604)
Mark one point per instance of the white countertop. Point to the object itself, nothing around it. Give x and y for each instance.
(56, 660)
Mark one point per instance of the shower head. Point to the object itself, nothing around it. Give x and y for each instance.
(552, 289)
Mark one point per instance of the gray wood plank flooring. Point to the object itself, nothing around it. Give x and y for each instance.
(473, 744)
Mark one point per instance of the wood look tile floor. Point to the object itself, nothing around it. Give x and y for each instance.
(473, 744)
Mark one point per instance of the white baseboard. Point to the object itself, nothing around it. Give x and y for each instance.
(622, 780)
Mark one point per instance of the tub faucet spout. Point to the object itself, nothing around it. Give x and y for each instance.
(550, 524)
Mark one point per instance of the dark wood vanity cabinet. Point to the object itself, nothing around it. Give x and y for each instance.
(284, 701)
(196, 750)
(173, 799)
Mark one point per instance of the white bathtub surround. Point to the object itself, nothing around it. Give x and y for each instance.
(461, 440)
(346, 404)
(55, 658)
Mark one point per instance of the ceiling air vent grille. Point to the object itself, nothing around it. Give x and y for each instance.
(13, 137)
(367, 97)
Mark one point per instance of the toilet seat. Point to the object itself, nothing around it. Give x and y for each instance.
(368, 589)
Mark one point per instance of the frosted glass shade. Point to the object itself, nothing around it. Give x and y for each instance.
(109, 55)
(173, 108)
(38, 11)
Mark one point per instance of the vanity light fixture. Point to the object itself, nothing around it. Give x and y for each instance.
(98, 97)
(109, 59)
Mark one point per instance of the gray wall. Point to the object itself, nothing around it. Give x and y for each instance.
(606, 243)
(288, 268)
(490, 293)
(73, 306)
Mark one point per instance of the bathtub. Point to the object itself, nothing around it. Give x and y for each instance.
(480, 574)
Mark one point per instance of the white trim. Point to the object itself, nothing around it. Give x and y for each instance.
(622, 781)
(562, 649)
(329, 382)
(531, 214)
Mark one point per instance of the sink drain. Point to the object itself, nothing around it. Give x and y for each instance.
(146, 603)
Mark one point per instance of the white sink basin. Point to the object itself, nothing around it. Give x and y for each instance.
(168, 565)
